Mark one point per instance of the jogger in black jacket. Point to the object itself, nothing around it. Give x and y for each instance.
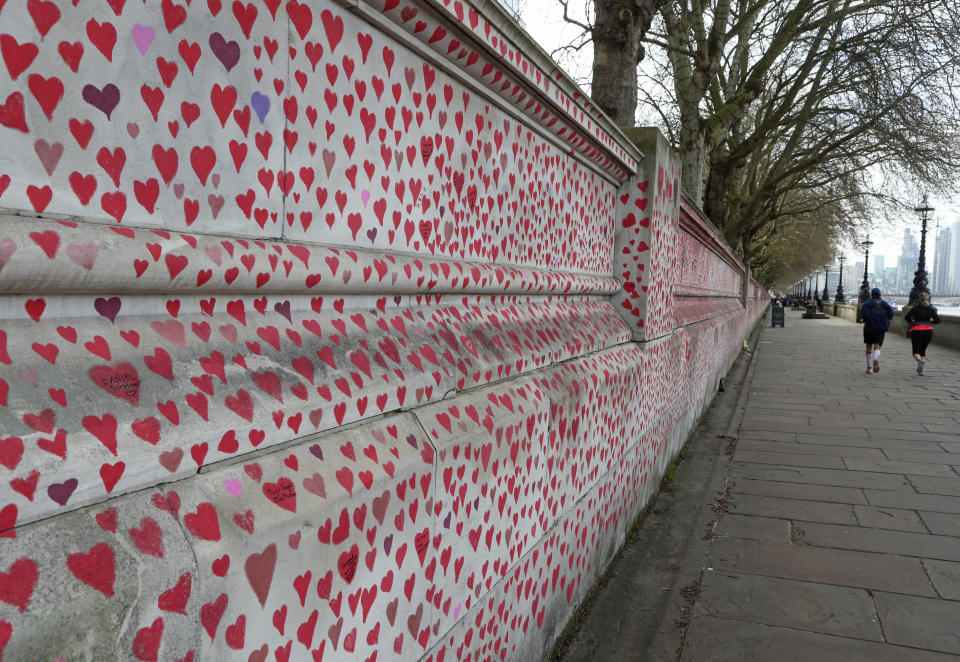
(876, 314)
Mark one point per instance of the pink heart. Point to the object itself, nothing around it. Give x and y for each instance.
(83, 255)
(234, 487)
(7, 248)
(49, 154)
(143, 37)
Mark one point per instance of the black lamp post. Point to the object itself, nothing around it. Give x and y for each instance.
(826, 274)
(864, 293)
(809, 292)
(840, 298)
(816, 286)
(920, 276)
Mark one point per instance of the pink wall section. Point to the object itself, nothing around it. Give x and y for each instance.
(328, 332)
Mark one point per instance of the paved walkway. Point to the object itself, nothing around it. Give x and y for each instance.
(840, 536)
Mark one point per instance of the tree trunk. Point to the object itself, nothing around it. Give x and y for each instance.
(718, 187)
(617, 30)
(692, 156)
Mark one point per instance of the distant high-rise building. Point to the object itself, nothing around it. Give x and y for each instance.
(940, 277)
(878, 273)
(953, 275)
(907, 263)
(889, 278)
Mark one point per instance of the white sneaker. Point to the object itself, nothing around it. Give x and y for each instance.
(920, 365)
(868, 372)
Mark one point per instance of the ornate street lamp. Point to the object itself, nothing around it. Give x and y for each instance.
(826, 275)
(864, 293)
(809, 283)
(816, 286)
(920, 276)
(840, 298)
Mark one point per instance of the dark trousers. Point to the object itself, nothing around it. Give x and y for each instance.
(920, 340)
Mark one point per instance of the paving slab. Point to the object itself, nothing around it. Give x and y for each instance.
(825, 493)
(847, 612)
(837, 567)
(888, 518)
(933, 502)
(942, 524)
(807, 428)
(868, 442)
(920, 622)
(934, 455)
(754, 528)
(772, 419)
(790, 459)
(810, 449)
(934, 485)
(904, 543)
(945, 427)
(767, 435)
(721, 640)
(831, 477)
(791, 509)
(913, 435)
(945, 576)
(890, 466)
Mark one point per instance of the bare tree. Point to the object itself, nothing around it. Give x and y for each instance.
(801, 82)
(812, 114)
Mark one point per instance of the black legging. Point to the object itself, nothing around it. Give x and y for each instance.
(920, 340)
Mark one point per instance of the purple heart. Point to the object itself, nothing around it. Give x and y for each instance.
(105, 100)
(412, 440)
(316, 450)
(107, 307)
(446, 521)
(228, 52)
(283, 308)
(372, 234)
(260, 104)
(60, 492)
(388, 543)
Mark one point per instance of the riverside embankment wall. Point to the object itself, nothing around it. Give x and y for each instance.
(328, 331)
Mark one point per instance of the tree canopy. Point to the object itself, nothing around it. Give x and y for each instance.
(795, 117)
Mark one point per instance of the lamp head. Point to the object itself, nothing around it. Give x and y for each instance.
(866, 244)
(924, 207)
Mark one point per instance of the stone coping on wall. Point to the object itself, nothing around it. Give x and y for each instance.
(520, 73)
(693, 221)
(45, 256)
